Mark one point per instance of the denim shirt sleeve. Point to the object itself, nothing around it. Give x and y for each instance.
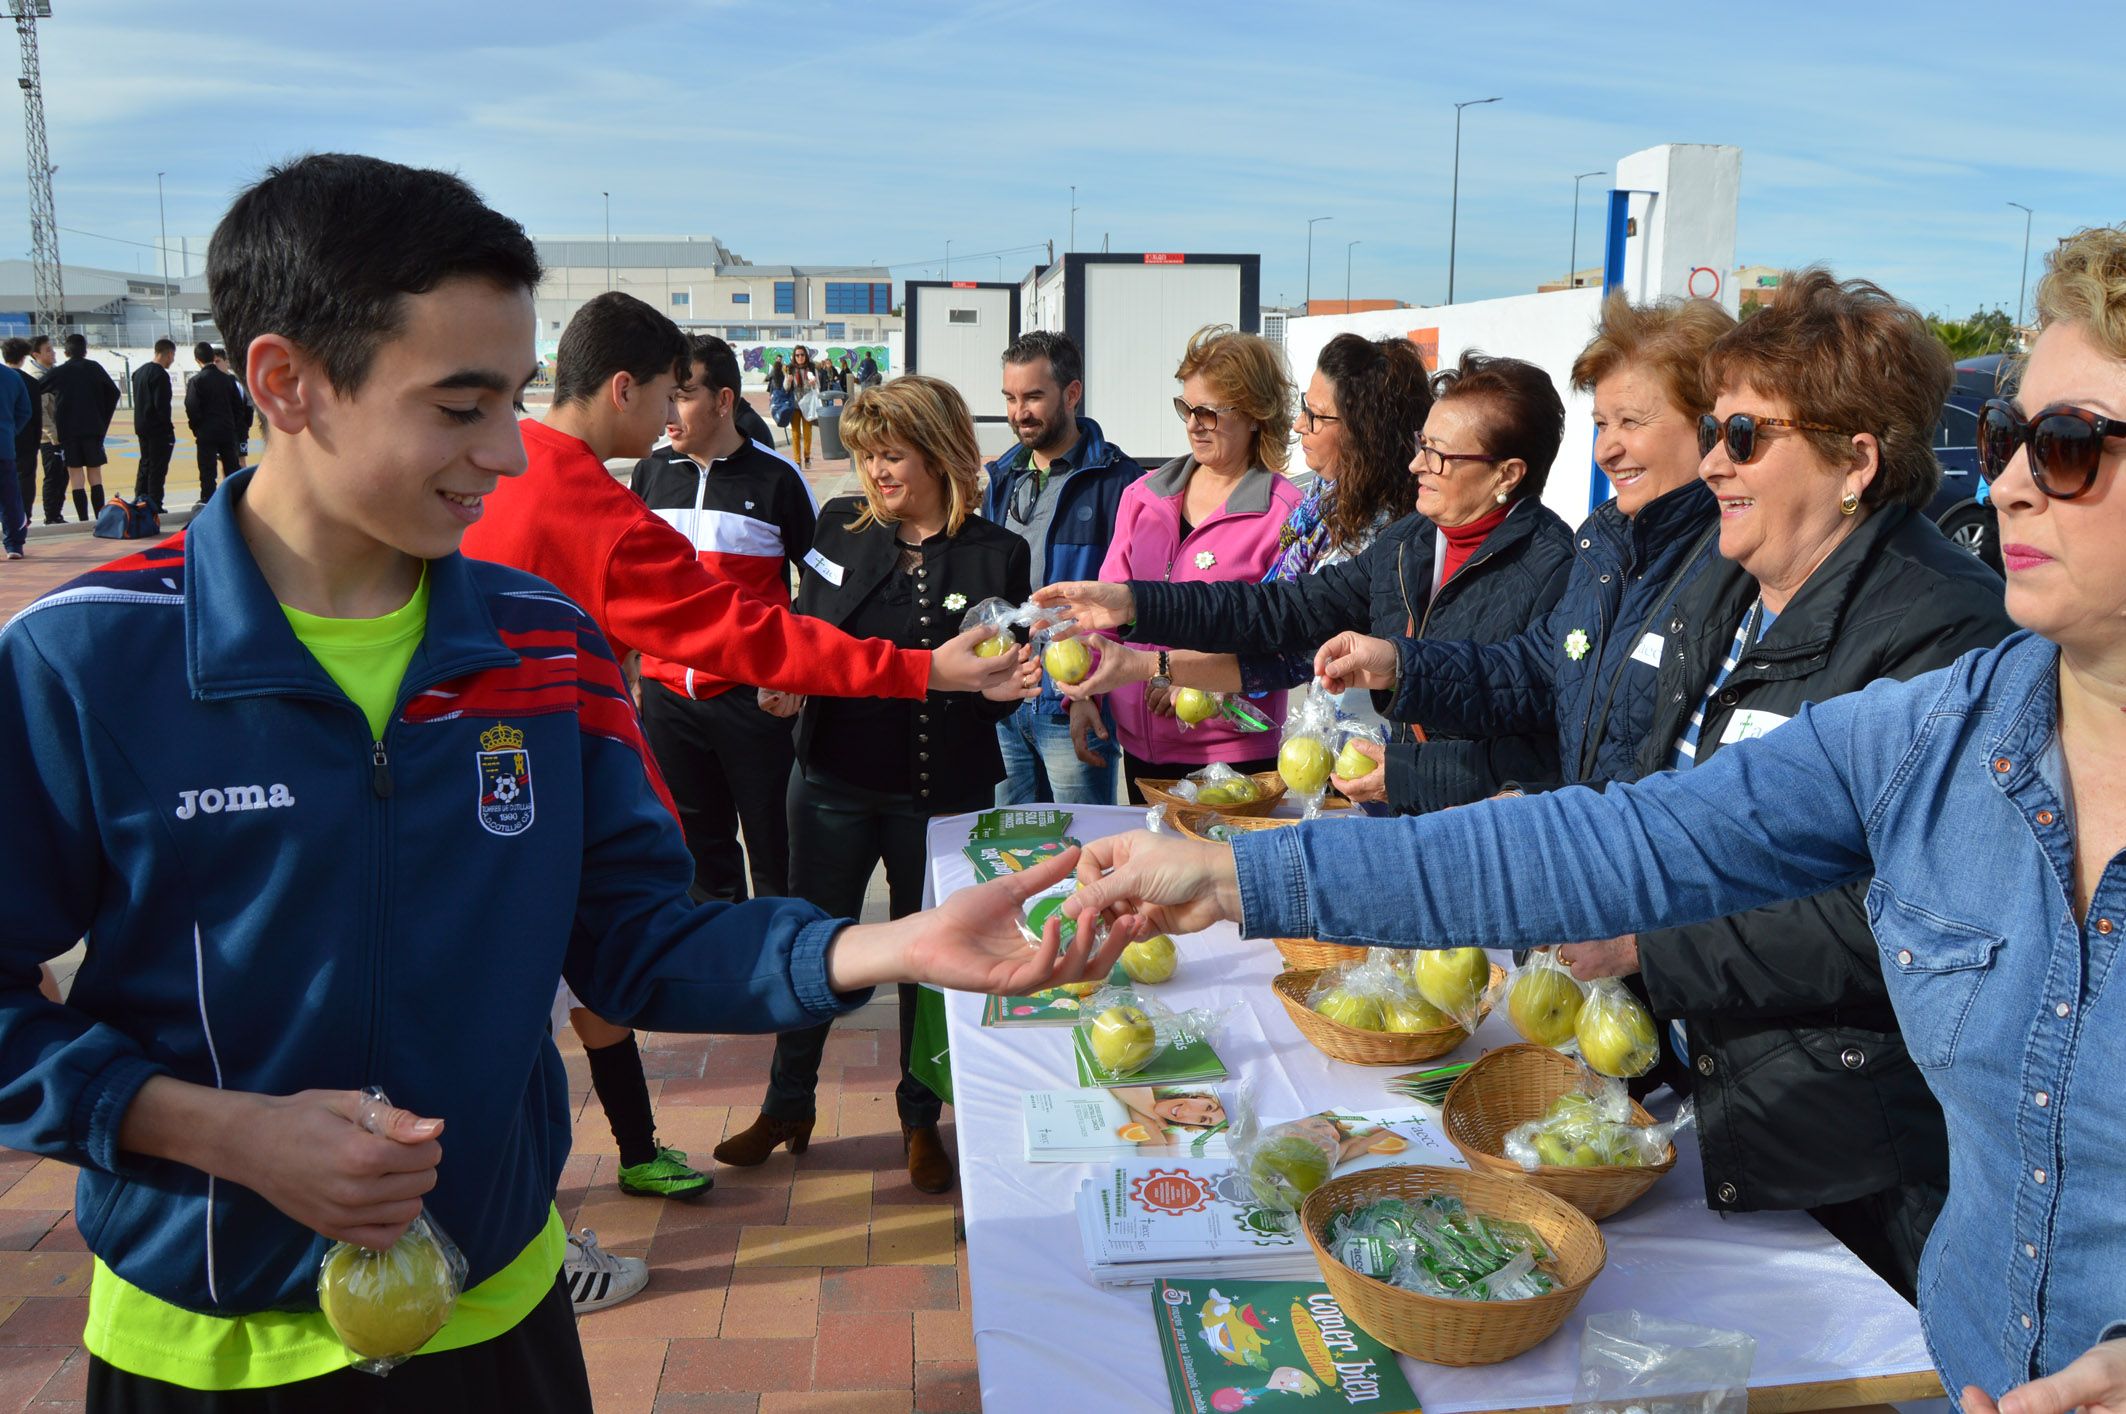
(1777, 818)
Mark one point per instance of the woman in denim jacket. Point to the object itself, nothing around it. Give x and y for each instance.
(1982, 798)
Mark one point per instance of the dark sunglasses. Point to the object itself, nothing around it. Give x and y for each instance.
(1025, 495)
(1191, 413)
(2066, 445)
(1741, 429)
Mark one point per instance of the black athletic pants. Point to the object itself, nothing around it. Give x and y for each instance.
(220, 449)
(154, 468)
(54, 483)
(728, 766)
(537, 1368)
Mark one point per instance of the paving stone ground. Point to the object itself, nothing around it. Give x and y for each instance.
(822, 1283)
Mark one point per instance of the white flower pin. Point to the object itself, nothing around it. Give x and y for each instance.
(1576, 644)
(1205, 559)
(955, 602)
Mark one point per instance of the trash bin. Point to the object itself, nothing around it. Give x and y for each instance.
(830, 431)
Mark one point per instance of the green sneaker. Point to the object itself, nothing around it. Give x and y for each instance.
(666, 1176)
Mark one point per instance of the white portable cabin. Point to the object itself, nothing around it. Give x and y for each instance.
(957, 330)
(1132, 315)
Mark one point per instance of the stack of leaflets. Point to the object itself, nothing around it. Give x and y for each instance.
(1184, 1219)
(1147, 1217)
(1270, 1345)
(1086, 1126)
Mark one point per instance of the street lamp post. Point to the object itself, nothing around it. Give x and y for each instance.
(1308, 307)
(1073, 245)
(948, 260)
(163, 220)
(1454, 211)
(608, 238)
(1347, 273)
(1572, 266)
(2024, 288)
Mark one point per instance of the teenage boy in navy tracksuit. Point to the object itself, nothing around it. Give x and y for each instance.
(394, 794)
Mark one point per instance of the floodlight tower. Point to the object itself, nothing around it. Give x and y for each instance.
(44, 217)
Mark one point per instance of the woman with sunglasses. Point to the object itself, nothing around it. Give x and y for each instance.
(1830, 576)
(1480, 559)
(1213, 513)
(1980, 803)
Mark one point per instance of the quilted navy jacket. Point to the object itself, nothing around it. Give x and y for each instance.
(1587, 670)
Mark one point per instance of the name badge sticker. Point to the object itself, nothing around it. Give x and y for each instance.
(828, 570)
(1649, 650)
(1749, 724)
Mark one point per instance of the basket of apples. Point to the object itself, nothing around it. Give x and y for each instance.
(1375, 1013)
(1531, 1113)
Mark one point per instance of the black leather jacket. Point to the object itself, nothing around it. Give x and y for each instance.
(1805, 1091)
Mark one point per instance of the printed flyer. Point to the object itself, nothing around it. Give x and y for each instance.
(1269, 1345)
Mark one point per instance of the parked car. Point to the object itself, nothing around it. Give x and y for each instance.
(1960, 507)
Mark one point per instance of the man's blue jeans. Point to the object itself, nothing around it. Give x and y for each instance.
(1039, 764)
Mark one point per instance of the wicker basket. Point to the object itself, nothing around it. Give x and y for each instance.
(1189, 820)
(1441, 1329)
(1348, 1043)
(1158, 792)
(1311, 956)
(1515, 1084)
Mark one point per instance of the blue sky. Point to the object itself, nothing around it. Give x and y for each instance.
(1881, 138)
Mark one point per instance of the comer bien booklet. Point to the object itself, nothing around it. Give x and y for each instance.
(1270, 1345)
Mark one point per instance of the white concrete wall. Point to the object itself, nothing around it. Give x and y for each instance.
(1685, 243)
(1547, 330)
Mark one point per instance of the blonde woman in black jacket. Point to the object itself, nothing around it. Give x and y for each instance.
(902, 562)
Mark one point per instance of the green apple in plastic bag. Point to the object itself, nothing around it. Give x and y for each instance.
(1616, 1033)
(1303, 762)
(1453, 979)
(1352, 1009)
(1410, 1014)
(1353, 764)
(1543, 1004)
(1151, 960)
(1123, 1039)
(1193, 705)
(1284, 1169)
(1068, 660)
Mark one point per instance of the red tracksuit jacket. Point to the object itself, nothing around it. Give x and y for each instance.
(568, 521)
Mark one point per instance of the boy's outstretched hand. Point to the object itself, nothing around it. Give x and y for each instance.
(971, 942)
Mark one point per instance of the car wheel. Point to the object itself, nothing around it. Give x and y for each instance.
(1977, 529)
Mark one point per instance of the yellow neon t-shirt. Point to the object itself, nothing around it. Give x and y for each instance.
(367, 657)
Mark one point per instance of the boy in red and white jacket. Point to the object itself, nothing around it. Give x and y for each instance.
(619, 367)
(726, 748)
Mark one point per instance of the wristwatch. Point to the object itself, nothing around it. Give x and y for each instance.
(1161, 679)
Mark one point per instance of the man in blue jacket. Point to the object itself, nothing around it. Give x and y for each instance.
(16, 404)
(1059, 488)
(393, 795)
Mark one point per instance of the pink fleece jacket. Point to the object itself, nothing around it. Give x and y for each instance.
(1238, 541)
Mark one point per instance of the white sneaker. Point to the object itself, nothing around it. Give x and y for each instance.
(598, 1279)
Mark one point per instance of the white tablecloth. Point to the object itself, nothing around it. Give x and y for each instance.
(1048, 1338)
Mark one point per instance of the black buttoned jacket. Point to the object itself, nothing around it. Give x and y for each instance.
(953, 749)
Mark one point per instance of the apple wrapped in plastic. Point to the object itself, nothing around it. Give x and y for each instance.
(1304, 762)
(1192, 705)
(386, 1305)
(1049, 904)
(1409, 1015)
(998, 615)
(1351, 763)
(1150, 960)
(1592, 1127)
(1543, 1001)
(1616, 1032)
(1068, 660)
(1126, 1031)
(1454, 980)
(1284, 1164)
(1352, 1009)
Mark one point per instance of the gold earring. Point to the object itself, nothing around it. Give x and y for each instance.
(1849, 504)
